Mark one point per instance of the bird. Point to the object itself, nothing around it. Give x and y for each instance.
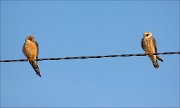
(31, 51)
(148, 44)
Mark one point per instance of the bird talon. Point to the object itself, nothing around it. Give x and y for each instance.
(148, 53)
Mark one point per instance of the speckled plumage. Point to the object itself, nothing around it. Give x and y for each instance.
(148, 44)
(31, 51)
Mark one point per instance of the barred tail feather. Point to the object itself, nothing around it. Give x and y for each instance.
(155, 64)
(35, 67)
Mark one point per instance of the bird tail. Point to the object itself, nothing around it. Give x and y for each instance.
(155, 64)
(35, 67)
(160, 59)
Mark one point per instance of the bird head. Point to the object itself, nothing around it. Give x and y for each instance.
(147, 34)
(30, 38)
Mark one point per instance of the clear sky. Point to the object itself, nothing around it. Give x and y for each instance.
(85, 28)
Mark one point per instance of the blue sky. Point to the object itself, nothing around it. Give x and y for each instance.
(85, 28)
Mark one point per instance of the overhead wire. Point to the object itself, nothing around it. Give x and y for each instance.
(92, 57)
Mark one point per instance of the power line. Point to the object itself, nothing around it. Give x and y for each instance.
(90, 57)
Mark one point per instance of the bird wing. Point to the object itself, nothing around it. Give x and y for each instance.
(142, 43)
(24, 50)
(37, 46)
(154, 43)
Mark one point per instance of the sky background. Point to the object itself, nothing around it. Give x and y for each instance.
(86, 28)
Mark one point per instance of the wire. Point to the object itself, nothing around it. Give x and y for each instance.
(90, 57)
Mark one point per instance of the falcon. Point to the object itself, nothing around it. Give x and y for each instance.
(31, 50)
(148, 43)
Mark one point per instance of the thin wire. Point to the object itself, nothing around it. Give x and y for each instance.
(90, 57)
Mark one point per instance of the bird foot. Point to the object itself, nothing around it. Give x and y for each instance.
(148, 53)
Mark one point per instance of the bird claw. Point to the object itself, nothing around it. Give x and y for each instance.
(148, 53)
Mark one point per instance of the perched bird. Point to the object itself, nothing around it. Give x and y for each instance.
(148, 43)
(31, 50)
